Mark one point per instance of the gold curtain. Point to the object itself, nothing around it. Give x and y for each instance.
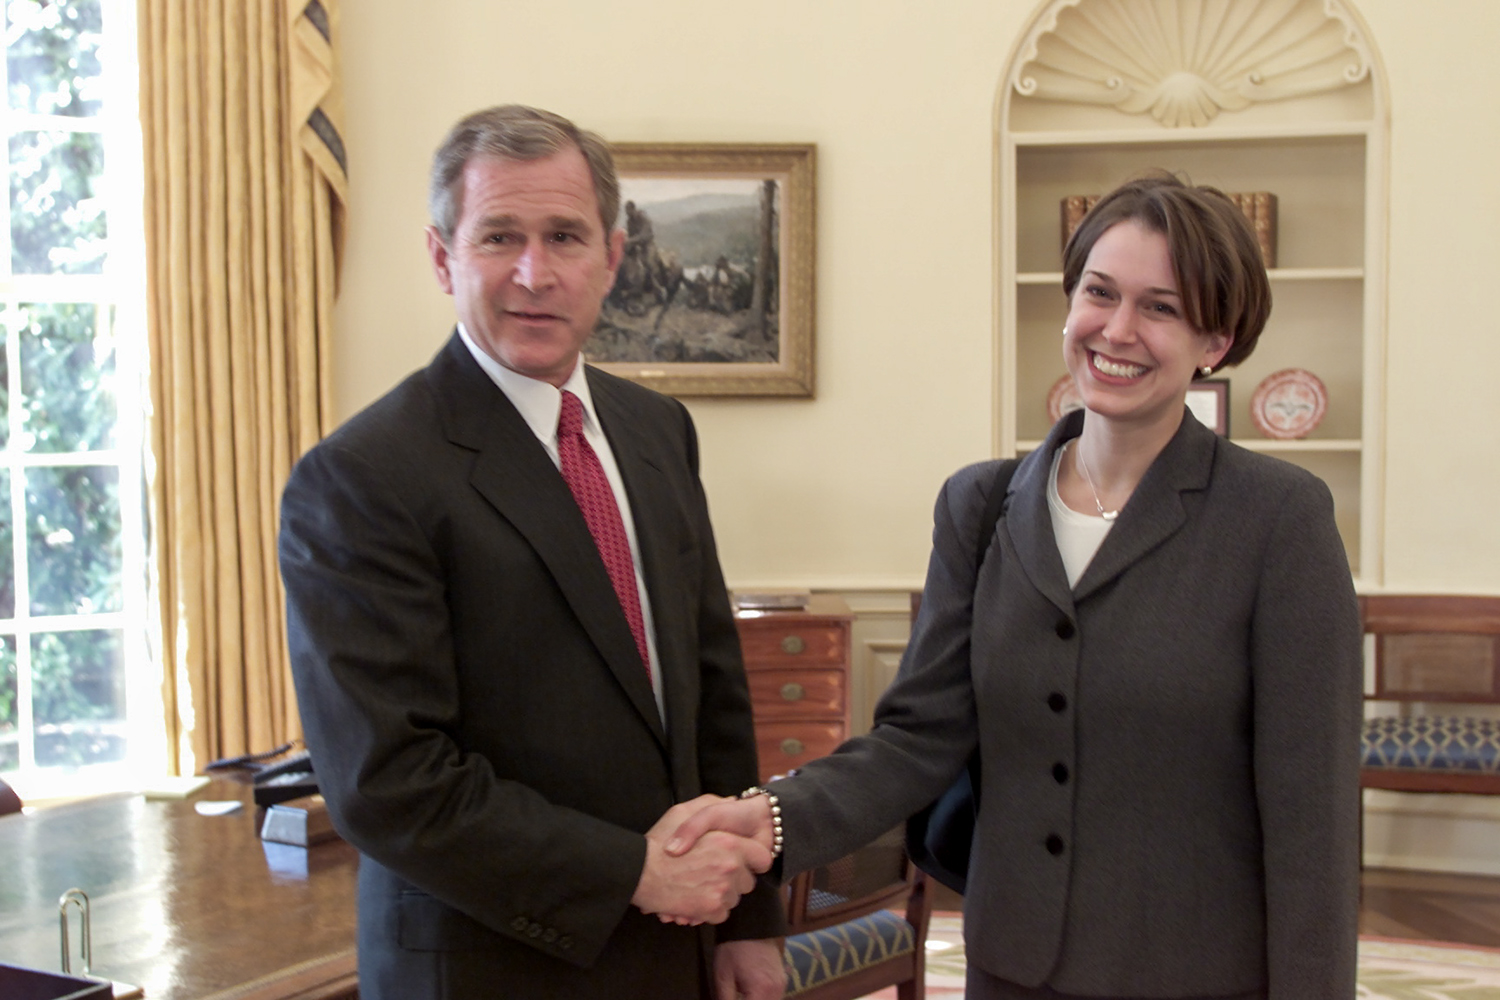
(245, 193)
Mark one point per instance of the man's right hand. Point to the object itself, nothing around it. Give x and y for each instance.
(703, 884)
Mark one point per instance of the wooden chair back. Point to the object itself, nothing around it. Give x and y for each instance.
(1436, 650)
(877, 877)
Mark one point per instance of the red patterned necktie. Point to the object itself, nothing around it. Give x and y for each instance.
(585, 477)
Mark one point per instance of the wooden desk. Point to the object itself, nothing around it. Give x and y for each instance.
(188, 907)
(797, 664)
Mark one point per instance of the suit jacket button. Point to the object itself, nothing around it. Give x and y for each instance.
(1054, 844)
(1060, 773)
(535, 930)
(1057, 701)
(519, 925)
(1065, 629)
(565, 942)
(550, 935)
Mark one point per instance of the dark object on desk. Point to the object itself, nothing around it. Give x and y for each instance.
(792, 600)
(299, 822)
(17, 983)
(247, 761)
(10, 802)
(290, 779)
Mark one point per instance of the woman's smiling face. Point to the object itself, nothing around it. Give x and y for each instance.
(1128, 344)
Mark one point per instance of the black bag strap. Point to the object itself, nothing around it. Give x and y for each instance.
(994, 509)
(938, 837)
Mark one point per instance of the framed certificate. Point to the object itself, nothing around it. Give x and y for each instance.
(1208, 400)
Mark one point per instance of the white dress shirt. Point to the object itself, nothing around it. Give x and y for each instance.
(1078, 535)
(539, 404)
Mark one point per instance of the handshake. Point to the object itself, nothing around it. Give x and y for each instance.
(702, 856)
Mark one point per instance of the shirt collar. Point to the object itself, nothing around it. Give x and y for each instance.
(538, 402)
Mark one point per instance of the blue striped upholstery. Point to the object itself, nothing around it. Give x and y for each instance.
(817, 957)
(1433, 743)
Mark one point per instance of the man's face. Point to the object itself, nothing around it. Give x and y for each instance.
(529, 262)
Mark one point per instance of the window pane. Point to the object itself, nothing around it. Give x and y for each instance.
(67, 379)
(10, 753)
(56, 222)
(4, 391)
(7, 551)
(52, 50)
(78, 697)
(73, 539)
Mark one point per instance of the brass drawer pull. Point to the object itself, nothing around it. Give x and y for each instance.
(791, 746)
(793, 644)
(792, 691)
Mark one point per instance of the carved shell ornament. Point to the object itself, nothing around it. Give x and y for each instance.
(1184, 61)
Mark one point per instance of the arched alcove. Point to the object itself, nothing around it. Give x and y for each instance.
(1285, 97)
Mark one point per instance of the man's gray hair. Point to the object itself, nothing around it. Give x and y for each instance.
(515, 132)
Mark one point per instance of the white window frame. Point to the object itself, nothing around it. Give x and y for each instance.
(119, 292)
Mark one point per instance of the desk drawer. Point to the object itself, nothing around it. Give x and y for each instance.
(785, 745)
(773, 643)
(796, 694)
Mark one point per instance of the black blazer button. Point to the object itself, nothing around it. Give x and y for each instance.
(1060, 773)
(565, 942)
(535, 930)
(519, 925)
(1065, 629)
(1057, 701)
(1054, 844)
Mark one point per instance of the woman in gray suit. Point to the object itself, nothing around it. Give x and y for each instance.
(1158, 659)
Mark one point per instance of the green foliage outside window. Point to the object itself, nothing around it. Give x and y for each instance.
(78, 687)
(9, 754)
(52, 55)
(67, 379)
(73, 539)
(56, 221)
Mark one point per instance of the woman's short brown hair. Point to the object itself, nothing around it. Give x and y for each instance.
(1215, 256)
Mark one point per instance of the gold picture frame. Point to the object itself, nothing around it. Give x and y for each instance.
(714, 296)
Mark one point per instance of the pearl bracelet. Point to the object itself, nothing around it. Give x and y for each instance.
(751, 793)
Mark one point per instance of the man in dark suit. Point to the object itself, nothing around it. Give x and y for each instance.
(510, 636)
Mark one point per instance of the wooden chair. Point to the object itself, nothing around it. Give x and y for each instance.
(845, 940)
(1433, 650)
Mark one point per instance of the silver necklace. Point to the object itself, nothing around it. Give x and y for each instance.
(1108, 515)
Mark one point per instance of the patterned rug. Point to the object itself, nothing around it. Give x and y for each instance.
(1389, 969)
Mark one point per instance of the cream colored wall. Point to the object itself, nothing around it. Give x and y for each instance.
(836, 492)
(1443, 412)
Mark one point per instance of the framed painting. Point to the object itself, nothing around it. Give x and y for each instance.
(714, 296)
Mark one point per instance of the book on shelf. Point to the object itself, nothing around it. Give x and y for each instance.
(1074, 208)
(1259, 207)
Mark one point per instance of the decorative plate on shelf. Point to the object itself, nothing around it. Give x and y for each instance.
(1062, 398)
(1288, 404)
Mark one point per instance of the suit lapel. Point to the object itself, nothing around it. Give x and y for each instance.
(1155, 510)
(513, 472)
(1028, 520)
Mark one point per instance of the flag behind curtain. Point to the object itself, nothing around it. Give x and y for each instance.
(245, 194)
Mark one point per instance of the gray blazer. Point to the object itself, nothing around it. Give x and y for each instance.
(1170, 749)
